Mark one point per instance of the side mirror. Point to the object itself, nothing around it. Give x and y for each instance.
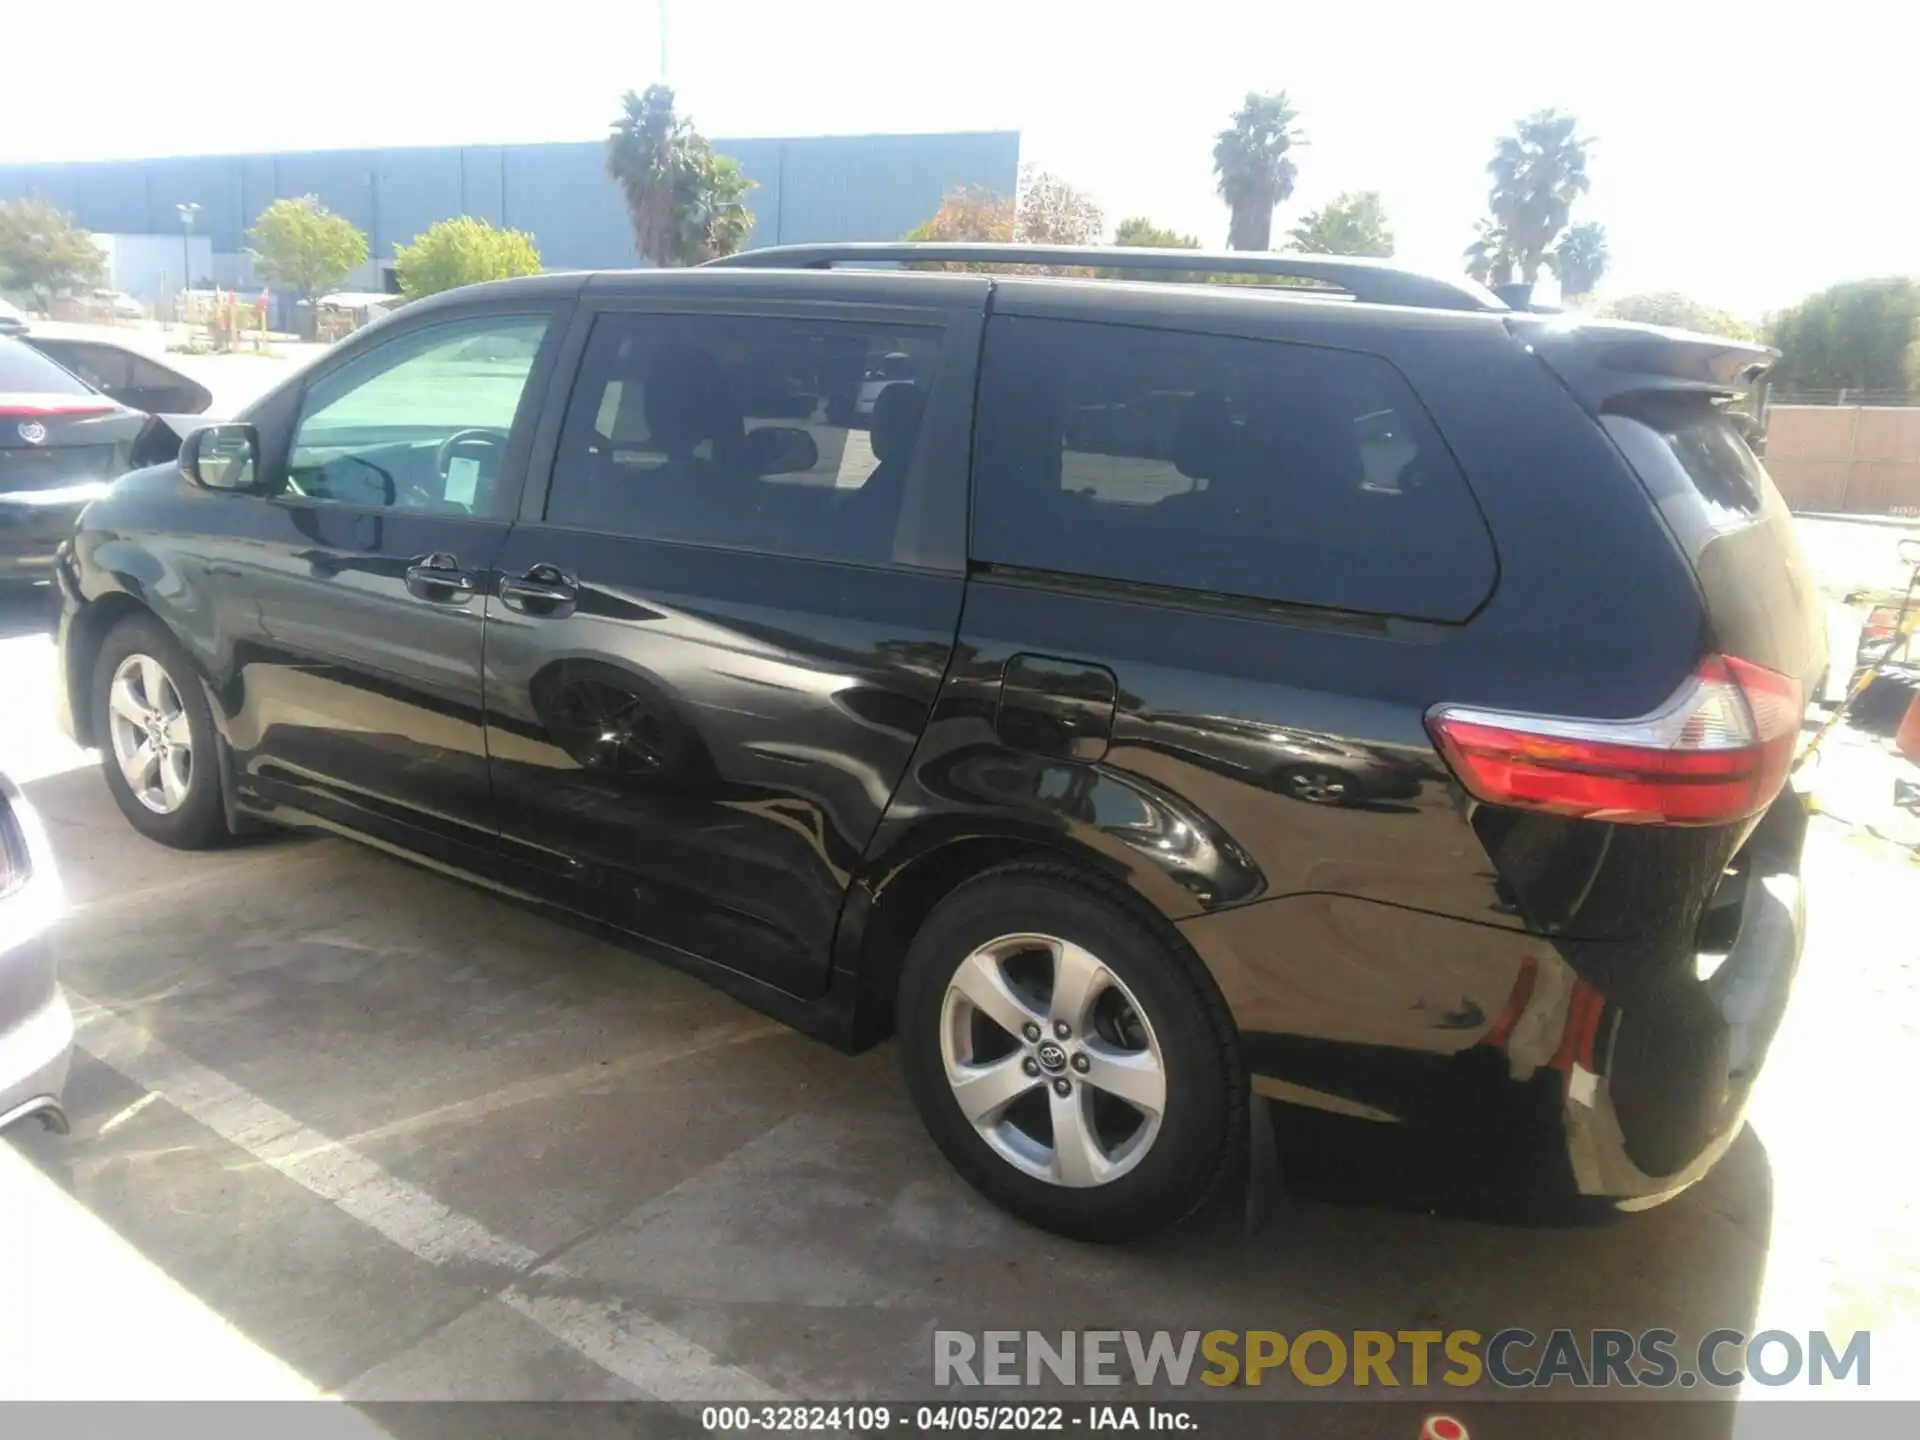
(222, 457)
(781, 450)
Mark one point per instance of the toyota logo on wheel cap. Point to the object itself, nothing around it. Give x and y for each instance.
(33, 432)
(1052, 1058)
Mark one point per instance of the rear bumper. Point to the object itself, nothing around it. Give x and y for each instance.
(1521, 1066)
(31, 532)
(34, 1058)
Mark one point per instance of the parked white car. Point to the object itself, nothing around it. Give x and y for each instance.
(36, 1027)
(116, 305)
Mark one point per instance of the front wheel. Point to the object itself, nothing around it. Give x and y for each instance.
(1074, 1065)
(156, 739)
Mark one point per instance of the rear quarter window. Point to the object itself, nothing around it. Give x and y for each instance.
(1696, 465)
(1253, 468)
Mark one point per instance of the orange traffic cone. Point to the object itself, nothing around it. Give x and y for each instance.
(1907, 739)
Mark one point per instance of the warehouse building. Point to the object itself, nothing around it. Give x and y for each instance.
(865, 187)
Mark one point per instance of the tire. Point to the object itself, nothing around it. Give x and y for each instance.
(182, 805)
(1143, 1173)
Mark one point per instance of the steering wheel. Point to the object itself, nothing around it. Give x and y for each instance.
(479, 437)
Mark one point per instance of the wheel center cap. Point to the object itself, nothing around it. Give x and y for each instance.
(1051, 1057)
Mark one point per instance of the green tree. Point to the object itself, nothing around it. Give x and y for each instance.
(1538, 172)
(1253, 167)
(1349, 224)
(1854, 336)
(42, 250)
(1580, 259)
(1667, 307)
(1138, 230)
(302, 246)
(687, 204)
(462, 251)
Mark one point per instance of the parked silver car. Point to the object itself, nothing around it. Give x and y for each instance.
(36, 1027)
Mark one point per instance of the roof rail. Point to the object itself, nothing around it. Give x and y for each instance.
(1373, 282)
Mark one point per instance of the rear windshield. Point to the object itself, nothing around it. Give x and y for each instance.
(25, 371)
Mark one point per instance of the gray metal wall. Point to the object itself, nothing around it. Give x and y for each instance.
(866, 187)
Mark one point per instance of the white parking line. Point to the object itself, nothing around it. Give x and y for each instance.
(657, 1360)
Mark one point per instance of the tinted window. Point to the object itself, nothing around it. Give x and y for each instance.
(1711, 454)
(108, 367)
(25, 371)
(421, 422)
(1281, 472)
(791, 436)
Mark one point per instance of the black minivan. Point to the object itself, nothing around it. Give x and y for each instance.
(1133, 696)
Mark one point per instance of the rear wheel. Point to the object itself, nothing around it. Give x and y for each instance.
(155, 732)
(1071, 1062)
(1318, 785)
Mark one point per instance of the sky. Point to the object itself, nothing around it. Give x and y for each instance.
(1744, 154)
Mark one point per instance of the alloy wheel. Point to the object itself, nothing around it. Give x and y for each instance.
(151, 737)
(1318, 787)
(1052, 1060)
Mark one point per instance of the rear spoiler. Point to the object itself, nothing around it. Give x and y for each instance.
(1605, 361)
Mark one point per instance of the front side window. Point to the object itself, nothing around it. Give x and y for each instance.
(795, 437)
(419, 423)
(1244, 467)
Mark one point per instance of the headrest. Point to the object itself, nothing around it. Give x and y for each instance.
(897, 412)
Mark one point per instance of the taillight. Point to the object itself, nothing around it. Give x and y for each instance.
(66, 409)
(1718, 751)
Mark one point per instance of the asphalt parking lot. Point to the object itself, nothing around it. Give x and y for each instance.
(410, 1141)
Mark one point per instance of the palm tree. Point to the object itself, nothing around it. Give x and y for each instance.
(646, 153)
(1538, 172)
(1253, 169)
(1490, 256)
(1580, 259)
(686, 202)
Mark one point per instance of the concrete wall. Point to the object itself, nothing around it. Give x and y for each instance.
(866, 187)
(1864, 459)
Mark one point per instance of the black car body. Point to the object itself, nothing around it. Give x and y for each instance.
(74, 415)
(595, 590)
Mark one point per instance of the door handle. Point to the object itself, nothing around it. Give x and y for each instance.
(439, 578)
(542, 590)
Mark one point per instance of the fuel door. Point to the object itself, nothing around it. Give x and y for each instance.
(1062, 709)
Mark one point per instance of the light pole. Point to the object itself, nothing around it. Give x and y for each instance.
(188, 212)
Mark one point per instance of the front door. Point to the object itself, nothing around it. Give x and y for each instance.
(711, 650)
(360, 701)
